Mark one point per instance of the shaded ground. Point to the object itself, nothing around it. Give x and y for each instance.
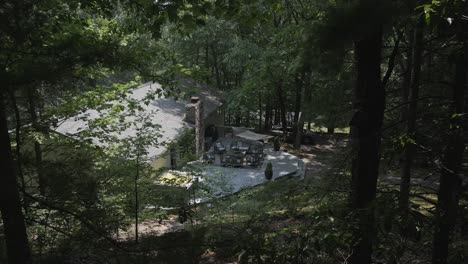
(320, 156)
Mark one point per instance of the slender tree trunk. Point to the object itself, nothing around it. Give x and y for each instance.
(268, 113)
(261, 113)
(216, 68)
(282, 106)
(14, 228)
(207, 64)
(410, 150)
(225, 79)
(406, 81)
(299, 121)
(137, 204)
(247, 119)
(18, 140)
(309, 126)
(276, 115)
(37, 145)
(197, 57)
(330, 130)
(299, 92)
(366, 125)
(450, 179)
(300, 127)
(224, 116)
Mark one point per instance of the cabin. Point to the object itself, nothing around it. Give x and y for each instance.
(197, 111)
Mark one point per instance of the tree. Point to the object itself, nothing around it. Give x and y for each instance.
(10, 204)
(411, 113)
(366, 125)
(450, 180)
(47, 42)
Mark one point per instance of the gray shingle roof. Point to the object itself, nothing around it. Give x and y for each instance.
(164, 111)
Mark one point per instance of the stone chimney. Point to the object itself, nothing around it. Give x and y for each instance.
(194, 115)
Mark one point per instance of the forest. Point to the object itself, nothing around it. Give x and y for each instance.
(363, 100)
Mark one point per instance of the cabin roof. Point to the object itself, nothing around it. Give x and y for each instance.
(165, 111)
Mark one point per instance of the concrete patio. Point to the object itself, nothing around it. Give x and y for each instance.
(223, 181)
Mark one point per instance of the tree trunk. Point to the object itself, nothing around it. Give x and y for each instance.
(299, 92)
(268, 114)
(330, 130)
(410, 149)
(366, 125)
(261, 112)
(299, 121)
(207, 64)
(37, 145)
(450, 179)
(266, 124)
(14, 228)
(276, 115)
(247, 119)
(300, 126)
(197, 57)
(216, 68)
(137, 203)
(18, 140)
(282, 106)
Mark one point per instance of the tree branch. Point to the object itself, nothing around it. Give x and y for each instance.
(391, 60)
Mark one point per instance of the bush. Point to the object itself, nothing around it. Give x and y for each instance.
(276, 144)
(269, 171)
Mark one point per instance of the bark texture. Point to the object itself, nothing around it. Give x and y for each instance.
(16, 239)
(366, 125)
(450, 179)
(411, 116)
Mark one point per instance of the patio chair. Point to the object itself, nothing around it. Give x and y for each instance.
(252, 160)
(234, 146)
(219, 148)
(257, 151)
(237, 160)
(208, 157)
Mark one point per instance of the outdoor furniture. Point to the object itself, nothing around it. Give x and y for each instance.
(209, 157)
(219, 148)
(240, 146)
(236, 153)
(252, 160)
(233, 159)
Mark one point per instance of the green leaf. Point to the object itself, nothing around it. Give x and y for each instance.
(427, 17)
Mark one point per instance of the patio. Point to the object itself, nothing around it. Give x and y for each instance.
(224, 180)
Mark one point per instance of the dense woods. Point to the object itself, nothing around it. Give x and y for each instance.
(370, 94)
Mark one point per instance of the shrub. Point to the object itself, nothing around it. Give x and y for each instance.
(269, 171)
(276, 144)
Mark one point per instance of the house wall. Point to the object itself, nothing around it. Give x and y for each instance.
(215, 118)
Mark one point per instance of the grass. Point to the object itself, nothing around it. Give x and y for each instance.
(284, 196)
